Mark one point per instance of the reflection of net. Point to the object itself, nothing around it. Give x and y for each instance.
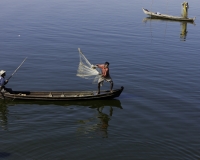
(86, 70)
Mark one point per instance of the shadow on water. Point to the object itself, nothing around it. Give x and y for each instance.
(183, 32)
(4, 155)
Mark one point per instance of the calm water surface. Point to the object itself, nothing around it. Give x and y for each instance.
(157, 61)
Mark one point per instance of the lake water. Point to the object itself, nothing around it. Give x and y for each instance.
(157, 117)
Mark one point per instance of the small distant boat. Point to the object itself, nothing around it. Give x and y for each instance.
(61, 95)
(165, 16)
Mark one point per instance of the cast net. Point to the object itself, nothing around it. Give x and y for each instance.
(86, 69)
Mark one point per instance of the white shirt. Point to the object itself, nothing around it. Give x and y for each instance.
(2, 81)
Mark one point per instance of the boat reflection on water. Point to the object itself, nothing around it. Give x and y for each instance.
(88, 103)
(3, 115)
(94, 125)
(183, 32)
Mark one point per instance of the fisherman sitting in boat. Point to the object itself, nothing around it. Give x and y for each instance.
(3, 82)
(105, 76)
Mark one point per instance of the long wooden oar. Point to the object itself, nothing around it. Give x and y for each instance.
(17, 68)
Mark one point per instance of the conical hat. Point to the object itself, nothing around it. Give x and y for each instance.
(2, 72)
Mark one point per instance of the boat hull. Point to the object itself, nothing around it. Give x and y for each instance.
(60, 95)
(165, 16)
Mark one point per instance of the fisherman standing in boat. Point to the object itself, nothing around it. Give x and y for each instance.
(3, 82)
(105, 76)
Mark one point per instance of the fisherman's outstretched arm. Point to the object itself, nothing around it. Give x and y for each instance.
(100, 65)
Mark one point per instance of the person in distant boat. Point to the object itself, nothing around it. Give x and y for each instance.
(3, 82)
(105, 76)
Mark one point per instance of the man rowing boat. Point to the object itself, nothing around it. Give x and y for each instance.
(105, 76)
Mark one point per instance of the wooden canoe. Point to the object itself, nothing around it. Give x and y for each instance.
(61, 95)
(165, 16)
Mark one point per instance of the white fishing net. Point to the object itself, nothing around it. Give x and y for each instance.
(86, 69)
